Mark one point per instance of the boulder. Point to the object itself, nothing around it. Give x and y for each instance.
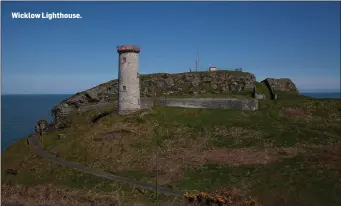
(41, 126)
(283, 85)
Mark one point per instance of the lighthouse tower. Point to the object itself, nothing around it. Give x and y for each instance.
(129, 81)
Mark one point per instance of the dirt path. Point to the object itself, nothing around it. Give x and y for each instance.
(35, 143)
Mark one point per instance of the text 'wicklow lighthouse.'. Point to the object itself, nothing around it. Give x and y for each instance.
(128, 79)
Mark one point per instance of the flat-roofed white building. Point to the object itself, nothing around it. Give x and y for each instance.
(212, 69)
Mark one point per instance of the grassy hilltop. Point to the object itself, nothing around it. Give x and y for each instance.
(285, 153)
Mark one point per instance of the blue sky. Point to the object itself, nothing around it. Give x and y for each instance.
(298, 40)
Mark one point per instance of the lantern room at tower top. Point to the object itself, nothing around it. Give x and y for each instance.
(128, 48)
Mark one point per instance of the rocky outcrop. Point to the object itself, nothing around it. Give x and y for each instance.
(172, 85)
(41, 126)
(162, 85)
(281, 85)
(278, 86)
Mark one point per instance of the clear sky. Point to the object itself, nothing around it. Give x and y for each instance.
(298, 40)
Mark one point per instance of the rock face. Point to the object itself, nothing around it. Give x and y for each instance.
(196, 83)
(102, 93)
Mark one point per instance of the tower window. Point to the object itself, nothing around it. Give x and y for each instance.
(124, 88)
(138, 75)
(124, 60)
(139, 101)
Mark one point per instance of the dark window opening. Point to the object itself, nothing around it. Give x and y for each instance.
(139, 101)
(124, 88)
(124, 60)
(138, 75)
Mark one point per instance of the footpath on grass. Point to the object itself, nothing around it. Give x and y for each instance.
(35, 144)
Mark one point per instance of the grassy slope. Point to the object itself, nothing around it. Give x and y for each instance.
(285, 151)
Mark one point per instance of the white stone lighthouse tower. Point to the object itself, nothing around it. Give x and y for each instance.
(129, 80)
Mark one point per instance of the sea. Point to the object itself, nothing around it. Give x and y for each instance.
(19, 113)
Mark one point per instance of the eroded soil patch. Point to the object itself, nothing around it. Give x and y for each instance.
(296, 113)
(329, 157)
(242, 156)
(172, 164)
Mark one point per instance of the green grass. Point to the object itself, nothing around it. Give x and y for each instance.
(316, 186)
(35, 171)
(278, 133)
(287, 95)
(313, 114)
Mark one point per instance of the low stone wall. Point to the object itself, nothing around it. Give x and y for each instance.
(224, 103)
(147, 103)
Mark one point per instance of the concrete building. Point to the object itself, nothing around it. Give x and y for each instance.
(129, 80)
(212, 69)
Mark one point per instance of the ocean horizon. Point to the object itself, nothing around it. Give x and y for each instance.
(20, 112)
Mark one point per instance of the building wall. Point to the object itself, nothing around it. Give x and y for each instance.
(129, 83)
(212, 69)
